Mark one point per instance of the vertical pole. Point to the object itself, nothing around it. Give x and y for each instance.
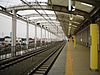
(41, 36)
(74, 41)
(62, 36)
(13, 38)
(45, 37)
(94, 47)
(48, 37)
(57, 34)
(87, 38)
(35, 35)
(69, 5)
(27, 35)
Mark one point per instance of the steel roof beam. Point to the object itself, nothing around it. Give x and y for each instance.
(45, 7)
(41, 19)
(37, 15)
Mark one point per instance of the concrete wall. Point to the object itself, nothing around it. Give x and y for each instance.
(98, 22)
(83, 37)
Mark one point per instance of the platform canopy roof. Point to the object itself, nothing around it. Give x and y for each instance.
(54, 14)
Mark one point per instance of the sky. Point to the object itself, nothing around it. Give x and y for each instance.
(5, 25)
(6, 28)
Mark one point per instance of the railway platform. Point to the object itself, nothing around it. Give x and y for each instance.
(49, 37)
(75, 63)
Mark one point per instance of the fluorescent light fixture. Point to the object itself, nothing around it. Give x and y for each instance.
(80, 16)
(70, 24)
(86, 4)
(71, 18)
(81, 39)
(69, 30)
(76, 22)
(73, 8)
(74, 25)
(69, 27)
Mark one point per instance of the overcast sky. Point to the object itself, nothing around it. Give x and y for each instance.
(6, 28)
(6, 21)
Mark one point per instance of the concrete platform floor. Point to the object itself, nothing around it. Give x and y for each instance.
(80, 62)
(59, 66)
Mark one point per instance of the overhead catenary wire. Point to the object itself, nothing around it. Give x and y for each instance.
(25, 2)
(35, 10)
(54, 11)
(45, 12)
(56, 27)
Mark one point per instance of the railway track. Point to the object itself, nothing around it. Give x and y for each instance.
(24, 64)
(8, 62)
(44, 67)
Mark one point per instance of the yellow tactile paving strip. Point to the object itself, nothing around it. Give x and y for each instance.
(69, 69)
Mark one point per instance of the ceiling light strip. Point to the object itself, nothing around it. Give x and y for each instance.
(86, 4)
